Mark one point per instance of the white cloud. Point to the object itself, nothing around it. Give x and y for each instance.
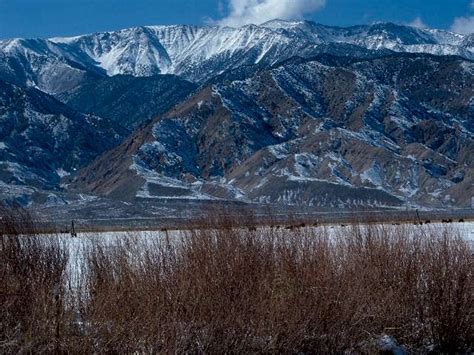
(418, 23)
(463, 25)
(243, 12)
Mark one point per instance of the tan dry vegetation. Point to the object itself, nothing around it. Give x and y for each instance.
(233, 289)
(32, 286)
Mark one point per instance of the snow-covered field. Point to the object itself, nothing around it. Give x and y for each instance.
(79, 245)
(465, 229)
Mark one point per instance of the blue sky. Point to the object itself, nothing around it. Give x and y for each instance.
(46, 18)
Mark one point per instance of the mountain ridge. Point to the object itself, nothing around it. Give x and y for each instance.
(197, 53)
(303, 129)
(289, 113)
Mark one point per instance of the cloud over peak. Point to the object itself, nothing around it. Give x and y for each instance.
(417, 23)
(244, 12)
(464, 25)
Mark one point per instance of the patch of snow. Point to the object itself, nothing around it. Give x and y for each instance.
(279, 151)
(62, 173)
(21, 173)
(152, 177)
(374, 174)
(389, 344)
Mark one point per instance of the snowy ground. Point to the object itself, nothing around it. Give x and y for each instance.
(465, 229)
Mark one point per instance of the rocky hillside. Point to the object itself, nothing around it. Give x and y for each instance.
(127, 100)
(284, 112)
(43, 140)
(326, 131)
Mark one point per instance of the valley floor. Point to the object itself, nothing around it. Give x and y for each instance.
(180, 214)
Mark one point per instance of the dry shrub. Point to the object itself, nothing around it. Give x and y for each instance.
(231, 287)
(32, 271)
(305, 290)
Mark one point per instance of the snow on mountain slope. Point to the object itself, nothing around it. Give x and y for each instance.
(287, 112)
(198, 53)
(43, 140)
(186, 45)
(319, 132)
(134, 51)
(44, 65)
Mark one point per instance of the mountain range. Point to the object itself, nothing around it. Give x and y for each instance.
(198, 53)
(284, 113)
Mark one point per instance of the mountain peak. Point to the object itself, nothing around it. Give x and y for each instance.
(286, 112)
(197, 53)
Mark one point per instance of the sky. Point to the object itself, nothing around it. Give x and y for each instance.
(49, 18)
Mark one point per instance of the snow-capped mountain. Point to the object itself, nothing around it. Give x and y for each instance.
(45, 65)
(284, 112)
(326, 131)
(199, 53)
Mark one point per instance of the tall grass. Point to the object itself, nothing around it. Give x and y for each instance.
(231, 289)
(32, 286)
